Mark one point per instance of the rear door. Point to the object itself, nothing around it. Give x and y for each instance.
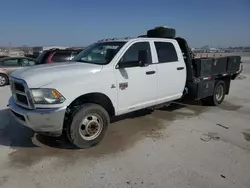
(171, 71)
(136, 86)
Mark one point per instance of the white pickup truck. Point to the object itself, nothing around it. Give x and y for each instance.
(110, 78)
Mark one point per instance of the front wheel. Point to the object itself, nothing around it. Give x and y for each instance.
(88, 126)
(218, 95)
(3, 80)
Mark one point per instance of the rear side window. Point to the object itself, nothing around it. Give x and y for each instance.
(11, 62)
(166, 52)
(61, 57)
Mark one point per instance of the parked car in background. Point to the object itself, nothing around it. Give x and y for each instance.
(57, 55)
(10, 64)
(37, 50)
(2, 56)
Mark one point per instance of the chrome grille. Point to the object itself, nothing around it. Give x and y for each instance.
(21, 93)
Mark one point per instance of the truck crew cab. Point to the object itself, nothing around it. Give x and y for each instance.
(114, 77)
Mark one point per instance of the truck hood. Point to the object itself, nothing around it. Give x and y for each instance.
(41, 75)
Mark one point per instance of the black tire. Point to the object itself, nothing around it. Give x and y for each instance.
(161, 32)
(4, 80)
(214, 100)
(74, 133)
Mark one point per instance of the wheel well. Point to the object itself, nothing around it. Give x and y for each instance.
(97, 98)
(4, 75)
(227, 81)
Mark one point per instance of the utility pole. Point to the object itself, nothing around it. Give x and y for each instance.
(9, 47)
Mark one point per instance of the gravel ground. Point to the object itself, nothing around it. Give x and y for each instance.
(182, 146)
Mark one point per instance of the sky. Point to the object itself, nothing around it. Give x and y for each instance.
(218, 23)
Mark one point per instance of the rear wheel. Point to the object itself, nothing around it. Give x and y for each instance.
(3, 80)
(88, 126)
(218, 95)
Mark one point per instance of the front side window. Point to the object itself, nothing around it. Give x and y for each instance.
(99, 53)
(27, 62)
(166, 52)
(132, 54)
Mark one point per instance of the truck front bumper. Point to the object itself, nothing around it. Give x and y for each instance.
(47, 121)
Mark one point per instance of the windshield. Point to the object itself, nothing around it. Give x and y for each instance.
(99, 53)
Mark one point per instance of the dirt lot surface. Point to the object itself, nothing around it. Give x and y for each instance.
(181, 146)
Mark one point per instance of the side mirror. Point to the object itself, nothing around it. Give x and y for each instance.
(143, 58)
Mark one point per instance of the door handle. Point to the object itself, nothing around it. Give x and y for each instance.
(150, 72)
(180, 68)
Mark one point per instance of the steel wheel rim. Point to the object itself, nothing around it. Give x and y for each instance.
(2, 80)
(219, 93)
(91, 127)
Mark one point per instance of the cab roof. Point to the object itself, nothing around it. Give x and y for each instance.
(136, 39)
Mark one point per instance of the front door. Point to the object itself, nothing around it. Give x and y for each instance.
(137, 85)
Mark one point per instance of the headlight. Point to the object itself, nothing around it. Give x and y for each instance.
(47, 96)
